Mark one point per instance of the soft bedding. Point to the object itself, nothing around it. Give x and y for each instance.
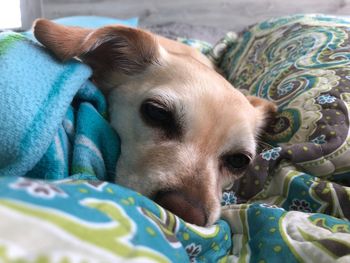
(52, 118)
(95, 221)
(293, 205)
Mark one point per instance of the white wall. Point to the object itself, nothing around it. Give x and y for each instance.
(228, 14)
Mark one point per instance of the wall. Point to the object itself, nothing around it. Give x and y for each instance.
(228, 14)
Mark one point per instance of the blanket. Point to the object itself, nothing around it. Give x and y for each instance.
(94, 221)
(294, 202)
(53, 119)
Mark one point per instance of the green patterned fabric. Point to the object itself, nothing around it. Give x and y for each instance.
(294, 202)
(94, 221)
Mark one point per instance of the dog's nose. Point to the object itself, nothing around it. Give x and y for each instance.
(183, 206)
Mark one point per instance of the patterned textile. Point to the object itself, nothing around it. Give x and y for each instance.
(298, 189)
(94, 221)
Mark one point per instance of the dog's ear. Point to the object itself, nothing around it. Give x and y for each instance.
(266, 111)
(111, 48)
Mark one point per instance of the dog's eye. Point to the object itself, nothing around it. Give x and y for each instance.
(161, 116)
(155, 113)
(237, 161)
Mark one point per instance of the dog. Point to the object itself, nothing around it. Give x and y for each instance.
(186, 133)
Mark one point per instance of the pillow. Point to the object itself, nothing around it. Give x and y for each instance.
(95, 21)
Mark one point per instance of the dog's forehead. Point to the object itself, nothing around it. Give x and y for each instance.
(203, 89)
(223, 120)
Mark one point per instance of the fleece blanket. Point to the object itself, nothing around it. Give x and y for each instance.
(44, 133)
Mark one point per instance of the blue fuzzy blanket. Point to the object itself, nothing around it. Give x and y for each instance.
(52, 118)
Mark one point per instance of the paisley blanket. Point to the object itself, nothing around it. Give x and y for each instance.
(297, 193)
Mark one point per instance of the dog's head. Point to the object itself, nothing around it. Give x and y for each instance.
(185, 132)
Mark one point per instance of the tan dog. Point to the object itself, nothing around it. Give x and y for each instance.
(185, 132)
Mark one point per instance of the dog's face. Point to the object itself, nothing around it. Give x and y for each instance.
(185, 132)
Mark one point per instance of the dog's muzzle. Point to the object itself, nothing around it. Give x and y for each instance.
(180, 204)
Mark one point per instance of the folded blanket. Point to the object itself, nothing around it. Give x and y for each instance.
(42, 135)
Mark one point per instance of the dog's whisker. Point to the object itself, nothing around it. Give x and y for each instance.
(263, 145)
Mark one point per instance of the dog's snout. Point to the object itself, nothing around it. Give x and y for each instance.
(183, 206)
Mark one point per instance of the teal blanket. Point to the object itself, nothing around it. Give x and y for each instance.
(94, 221)
(53, 119)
